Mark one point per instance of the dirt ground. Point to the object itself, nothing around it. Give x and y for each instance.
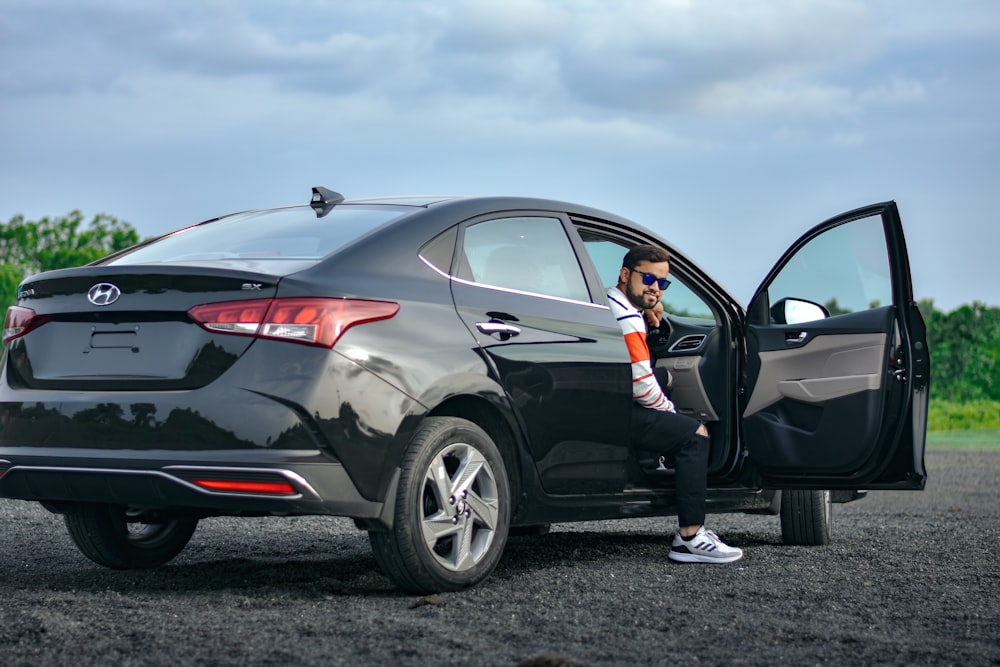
(911, 578)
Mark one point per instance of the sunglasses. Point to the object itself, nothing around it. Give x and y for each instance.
(648, 279)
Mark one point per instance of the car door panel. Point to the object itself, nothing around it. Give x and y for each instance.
(834, 363)
(560, 358)
(825, 389)
(839, 402)
(567, 376)
(819, 392)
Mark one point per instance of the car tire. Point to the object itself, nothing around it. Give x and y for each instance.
(806, 517)
(443, 539)
(103, 535)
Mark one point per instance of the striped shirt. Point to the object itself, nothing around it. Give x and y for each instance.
(646, 390)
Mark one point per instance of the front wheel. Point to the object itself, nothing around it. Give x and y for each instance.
(452, 510)
(806, 517)
(103, 534)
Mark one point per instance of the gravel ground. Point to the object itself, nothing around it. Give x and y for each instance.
(912, 578)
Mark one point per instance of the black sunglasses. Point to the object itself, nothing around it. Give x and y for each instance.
(648, 279)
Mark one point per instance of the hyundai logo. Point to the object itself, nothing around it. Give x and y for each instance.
(103, 294)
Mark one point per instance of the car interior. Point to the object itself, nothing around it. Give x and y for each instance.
(689, 347)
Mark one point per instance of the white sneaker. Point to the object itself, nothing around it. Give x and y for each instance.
(704, 547)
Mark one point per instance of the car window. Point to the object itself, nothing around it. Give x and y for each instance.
(527, 254)
(844, 270)
(440, 249)
(679, 300)
(287, 233)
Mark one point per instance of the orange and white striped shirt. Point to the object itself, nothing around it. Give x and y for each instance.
(646, 390)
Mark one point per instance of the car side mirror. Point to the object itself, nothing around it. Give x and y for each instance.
(796, 311)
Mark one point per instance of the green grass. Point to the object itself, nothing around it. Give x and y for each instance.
(981, 439)
(963, 416)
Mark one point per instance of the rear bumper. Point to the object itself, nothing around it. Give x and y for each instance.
(307, 486)
(267, 412)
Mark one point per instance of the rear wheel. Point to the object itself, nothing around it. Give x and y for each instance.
(806, 517)
(102, 533)
(452, 510)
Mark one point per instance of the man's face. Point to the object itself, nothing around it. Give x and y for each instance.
(644, 296)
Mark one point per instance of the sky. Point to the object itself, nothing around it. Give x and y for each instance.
(728, 127)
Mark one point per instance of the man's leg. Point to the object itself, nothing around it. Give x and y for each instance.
(674, 435)
(691, 464)
(680, 437)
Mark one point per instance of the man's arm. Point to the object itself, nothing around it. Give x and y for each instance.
(646, 390)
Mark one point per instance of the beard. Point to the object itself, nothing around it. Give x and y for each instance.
(643, 300)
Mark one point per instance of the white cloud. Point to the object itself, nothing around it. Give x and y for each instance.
(634, 58)
(895, 91)
(764, 99)
(689, 109)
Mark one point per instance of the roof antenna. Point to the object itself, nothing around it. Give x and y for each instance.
(323, 200)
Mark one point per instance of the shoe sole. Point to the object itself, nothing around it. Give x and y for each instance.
(695, 558)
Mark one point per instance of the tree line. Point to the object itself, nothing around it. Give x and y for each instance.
(964, 343)
(31, 246)
(965, 351)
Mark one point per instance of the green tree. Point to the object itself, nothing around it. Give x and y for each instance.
(965, 351)
(28, 247)
(835, 308)
(10, 278)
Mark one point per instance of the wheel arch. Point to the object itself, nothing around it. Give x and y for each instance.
(478, 398)
(502, 430)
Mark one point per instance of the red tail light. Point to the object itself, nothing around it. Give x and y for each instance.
(235, 317)
(236, 486)
(302, 320)
(18, 322)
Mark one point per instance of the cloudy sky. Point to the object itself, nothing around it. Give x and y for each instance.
(729, 127)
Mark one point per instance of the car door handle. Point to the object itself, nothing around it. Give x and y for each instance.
(499, 330)
(796, 337)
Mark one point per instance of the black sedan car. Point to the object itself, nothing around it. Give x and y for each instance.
(444, 371)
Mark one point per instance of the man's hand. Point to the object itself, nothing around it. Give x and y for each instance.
(654, 315)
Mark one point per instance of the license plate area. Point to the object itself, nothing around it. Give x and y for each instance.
(114, 340)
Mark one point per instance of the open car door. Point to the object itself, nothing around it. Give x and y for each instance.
(837, 361)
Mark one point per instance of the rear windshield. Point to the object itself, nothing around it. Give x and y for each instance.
(279, 234)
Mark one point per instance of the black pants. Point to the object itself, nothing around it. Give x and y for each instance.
(672, 435)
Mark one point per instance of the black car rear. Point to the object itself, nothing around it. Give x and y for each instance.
(130, 328)
(197, 372)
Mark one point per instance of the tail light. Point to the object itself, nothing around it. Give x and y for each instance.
(19, 321)
(281, 488)
(311, 321)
